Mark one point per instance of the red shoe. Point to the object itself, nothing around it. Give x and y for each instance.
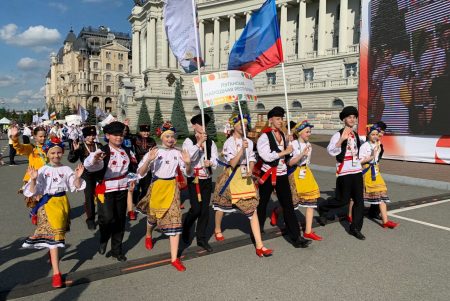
(312, 236)
(34, 219)
(264, 253)
(132, 215)
(178, 265)
(349, 219)
(148, 243)
(219, 238)
(274, 217)
(57, 281)
(390, 224)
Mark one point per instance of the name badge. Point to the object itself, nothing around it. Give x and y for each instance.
(302, 173)
(354, 161)
(244, 171)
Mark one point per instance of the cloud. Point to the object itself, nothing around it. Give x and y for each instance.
(59, 6)
(7, 80)
(26, 99)
(37, 37)
(25, 93)
(117, 3)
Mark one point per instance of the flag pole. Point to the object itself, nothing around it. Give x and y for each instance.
(194, 18)
(288, 119)
(245, 136)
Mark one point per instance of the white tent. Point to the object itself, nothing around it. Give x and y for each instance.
(5, 120)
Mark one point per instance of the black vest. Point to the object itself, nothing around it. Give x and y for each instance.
(132, 167)
(208, 149)
(340, 157)
(274, 148)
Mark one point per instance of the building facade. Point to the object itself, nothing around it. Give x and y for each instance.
(88, 69)
(321, 49)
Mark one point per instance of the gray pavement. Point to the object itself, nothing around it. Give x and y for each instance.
(390, 264)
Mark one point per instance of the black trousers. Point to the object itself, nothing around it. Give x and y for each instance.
(198, 210)
(12, 154)
(348, 187)
(283, 191)
(26, 139)
(89, 191)
(112, 218)
(142, 188)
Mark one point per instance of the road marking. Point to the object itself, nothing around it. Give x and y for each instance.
(419, 222)
(417, 207)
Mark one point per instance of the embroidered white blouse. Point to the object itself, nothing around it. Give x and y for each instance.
(232, 146)
(197, 157)
(165, 164)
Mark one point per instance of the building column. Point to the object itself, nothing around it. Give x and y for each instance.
(321, 30)
(248, 15)
(135, 61)
(283, 26)
(164, 45)
(232, 36)
(201, 33)
(151, 42)
(143, 48)
(301, 28)
(343, 26)
(216, 43)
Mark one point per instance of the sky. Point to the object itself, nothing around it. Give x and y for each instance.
(30, 30)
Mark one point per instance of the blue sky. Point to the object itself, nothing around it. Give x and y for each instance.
(31, 29)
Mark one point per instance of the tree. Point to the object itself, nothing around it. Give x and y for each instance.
(244, 107)
(211, 127)
(144, 116)
(178, 115)
(91, 119)
(157, 117)
(66, 110)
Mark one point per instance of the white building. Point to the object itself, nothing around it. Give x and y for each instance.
(320, 43)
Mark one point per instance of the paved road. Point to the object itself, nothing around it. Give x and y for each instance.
(390, 264)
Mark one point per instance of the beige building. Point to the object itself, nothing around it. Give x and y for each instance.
(88, 69)
(321, 49)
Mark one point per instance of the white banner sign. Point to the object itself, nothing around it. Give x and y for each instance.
(73, 120)
(225, 87)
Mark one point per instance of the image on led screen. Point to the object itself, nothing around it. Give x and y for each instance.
(409, 59)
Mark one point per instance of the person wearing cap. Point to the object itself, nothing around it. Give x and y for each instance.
(113, 162)
(344, 146)
(199, 181)
(162, 203)
(80, 151)
(142, 143)
(51, 182)
(235, 189)
(274, 152)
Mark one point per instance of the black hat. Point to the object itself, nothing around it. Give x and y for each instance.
(89, 131)
(197, 119)
(144, 128)
(115, 127)
(382, 125)
(347, 111)
(276, 112)
(292, 124)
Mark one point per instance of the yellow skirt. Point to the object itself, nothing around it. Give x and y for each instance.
(53, 223)
(305, 191)
(377, 185)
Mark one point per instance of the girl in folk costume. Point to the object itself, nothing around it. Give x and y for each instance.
(235, 189)
(375, 190)
(162, 202)
(52, 211)
(36, 156)
(305, 190)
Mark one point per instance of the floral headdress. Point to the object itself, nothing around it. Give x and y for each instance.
(237, 118)
(51, 143)
(167, 126)
(373, 127)
(302, 125)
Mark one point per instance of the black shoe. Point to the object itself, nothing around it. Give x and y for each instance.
(357, 234)
(205, 245)
(120, 257)
(301, 243)
(374, 216)
(91, 225)
(322, 218)
(102, 248)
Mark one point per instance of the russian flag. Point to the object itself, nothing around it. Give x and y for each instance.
(259, 47)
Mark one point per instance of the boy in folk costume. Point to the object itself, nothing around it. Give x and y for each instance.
(199, 181)
(113, 162)
(162, 203)
(52, 211)
(274, 151)
(235, 189)
(344, 145)
(80, 151)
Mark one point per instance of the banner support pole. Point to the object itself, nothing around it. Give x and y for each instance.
(245, 136)
(288, 118)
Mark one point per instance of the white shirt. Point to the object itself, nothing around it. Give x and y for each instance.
(232, 146)
(117, 167)
(298, 149)
(352, 150)
(165, 164)
(366, 151)
(26, 131)
(267, 155)
(52, 180)
(197, 158)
